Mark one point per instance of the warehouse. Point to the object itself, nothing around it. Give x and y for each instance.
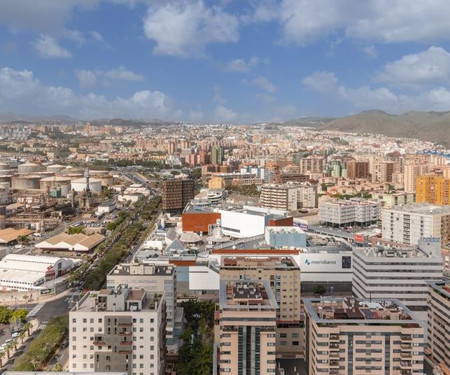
(66, 242)
(28, 272)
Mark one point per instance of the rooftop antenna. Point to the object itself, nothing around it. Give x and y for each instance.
(87, 175)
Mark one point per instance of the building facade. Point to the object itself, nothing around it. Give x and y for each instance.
(282, 197)
(359, 337)
(409, 223)
(245, 328)
(176, 193)
(348, 212)
(118, 330)
(439, 324)
(434, 189)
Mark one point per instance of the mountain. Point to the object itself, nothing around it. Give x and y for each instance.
(17, 117)
(428, 126)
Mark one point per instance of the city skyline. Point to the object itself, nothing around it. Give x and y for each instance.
(222, 61)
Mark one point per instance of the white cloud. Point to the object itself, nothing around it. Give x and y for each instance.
(48, 48)
(370, 51)
(263, 83)
(88, 78)
(241, 65)
(183, 28)
(20, 91)
(424, 68)
(388, 21)
(365, 97)
(223, 114)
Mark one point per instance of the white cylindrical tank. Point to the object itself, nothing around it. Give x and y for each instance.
(27, 168)
(80, 184)
(54, 168)
(25, 182)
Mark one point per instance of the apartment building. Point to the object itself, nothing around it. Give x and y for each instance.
(439, 324)
(118, 330)
(307, 196)
(382, 171)
(245, 328)
(154, 278)
(312, 164)
(357, 169)
(410, 174)
(397, 199)
(176, 193)
(283, 277)
(348, 212)
(282, 197)
(407, 224)
(348, 336)
(402, 274)
(434, 189)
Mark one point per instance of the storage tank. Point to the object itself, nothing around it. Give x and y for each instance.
(27, 168)
(55, 168)
(104, 176)
(25, 182)
(48, 183)
(80, 184)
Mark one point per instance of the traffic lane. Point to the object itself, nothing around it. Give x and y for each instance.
(8, 364)
(53, 308)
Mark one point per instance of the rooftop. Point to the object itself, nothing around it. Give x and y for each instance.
(421, 208)
(442, 287)
(126, 269)
(260, 262)
(246, 295)
(358, 311)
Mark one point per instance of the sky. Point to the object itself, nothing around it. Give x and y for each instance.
(225, 61)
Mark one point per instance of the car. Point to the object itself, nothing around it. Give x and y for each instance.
(15, 335)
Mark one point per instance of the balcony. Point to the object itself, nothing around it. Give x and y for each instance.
(334, 354)
(406, 337)
(123, 324)
(124, 352)
(334, 337)
(406, 346)
(406, 355)
(405, 364)
(334, 363)
(334, 371)
(125, 343)
(98, 343)
(125, 334)
(405, 372)
(334, 346)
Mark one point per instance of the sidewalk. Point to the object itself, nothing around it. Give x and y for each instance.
(18, 300)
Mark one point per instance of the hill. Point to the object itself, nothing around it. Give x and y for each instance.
(428, 126)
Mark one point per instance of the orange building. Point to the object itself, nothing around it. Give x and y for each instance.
(199, 221)
(433, 189)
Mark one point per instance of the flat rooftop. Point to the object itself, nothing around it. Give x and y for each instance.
(421, 208)
(442, 287)
(246, 262)
(133, 269)
(358, 311)
(246, 295)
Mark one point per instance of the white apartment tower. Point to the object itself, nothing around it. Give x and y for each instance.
(118, 330)
(409, 223)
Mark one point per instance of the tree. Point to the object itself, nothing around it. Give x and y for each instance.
(19, 315)
(8, 347)
(22, 336)
(57, 367)
(75, 230)
(2, 355)
(23, 239)
(320, 290)
(27, 327)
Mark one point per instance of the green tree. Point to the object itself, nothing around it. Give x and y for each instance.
(5, 315)
(320, 290)
(19, 315)
(75, 230)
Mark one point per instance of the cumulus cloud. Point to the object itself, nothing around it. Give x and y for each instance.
(224, 114)
(370, 51)
(387, 21)
(48, 48)
(366, 97)
(241, 65)
(183, 28)
(20, 90)
(88, 78)
(262, 83)
(424, 68)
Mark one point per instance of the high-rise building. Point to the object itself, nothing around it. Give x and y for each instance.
(357, 169)
(362, 337)
(383, 170)
(153, 278)
(176, 193)
(282, 197)
(439, 324)
(217, 155)
(433, 188)
(245, 328)
(118, 330)
(410, 174)
(283, 277)
(272, 173)
(348, 212)
(397, 273)
(312, 164)
(409, 223)
(307, 196)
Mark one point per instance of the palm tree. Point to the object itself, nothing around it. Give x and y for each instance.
(22, 335)
(8, 347)
(2, 354)
(27, 326)
(14, 344)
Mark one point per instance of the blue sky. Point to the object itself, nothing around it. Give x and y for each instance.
(224, 61)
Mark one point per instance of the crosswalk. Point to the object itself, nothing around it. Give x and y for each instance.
(36, 309)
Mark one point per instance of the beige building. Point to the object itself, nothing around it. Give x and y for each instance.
(439, 324)
(362, 337)
(410, 174)
(312, 164)
(154, 278)
(245, 328)
(118, 330)
(283, 276)
(282, 197)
